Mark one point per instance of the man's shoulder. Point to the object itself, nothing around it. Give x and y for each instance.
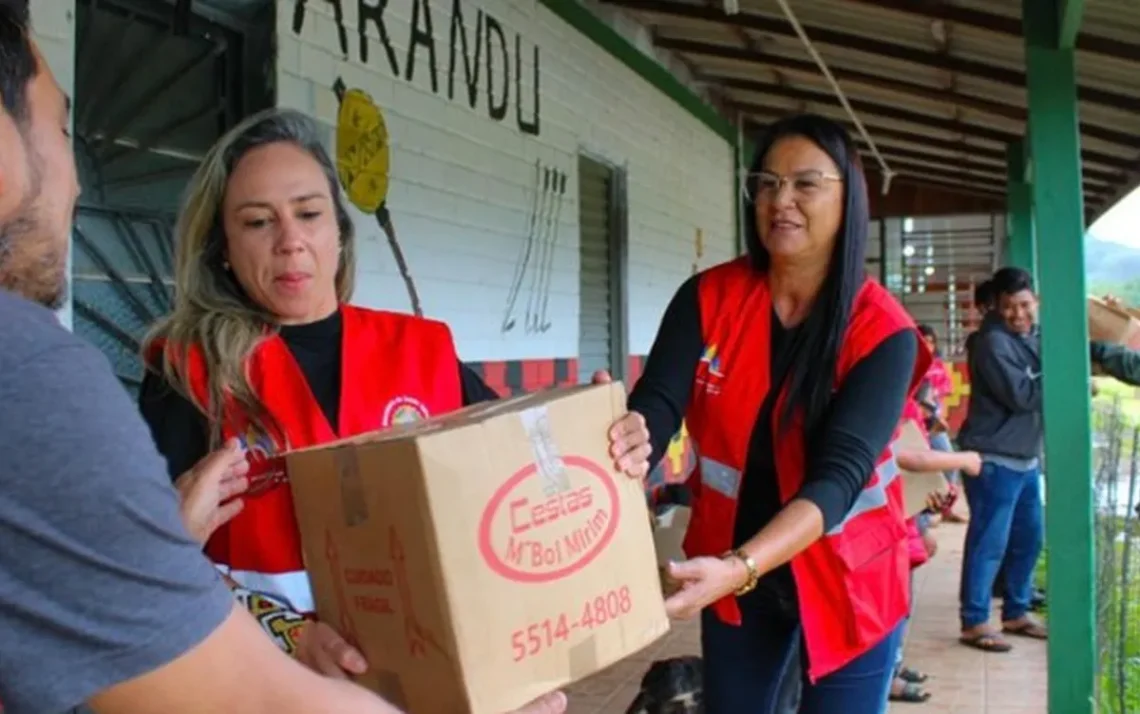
(28, 329)
(995, 339)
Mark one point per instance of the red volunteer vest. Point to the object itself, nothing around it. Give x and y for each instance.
(853, 583)
(395, 368)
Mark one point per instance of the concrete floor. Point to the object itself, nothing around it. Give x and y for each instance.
(963, 680)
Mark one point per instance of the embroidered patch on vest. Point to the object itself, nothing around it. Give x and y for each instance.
(709, 371)
(404, 409)
(266, 468)
(274, 615)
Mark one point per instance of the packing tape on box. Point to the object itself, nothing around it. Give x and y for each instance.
(353, 502)
(583, 658)
(547, 459)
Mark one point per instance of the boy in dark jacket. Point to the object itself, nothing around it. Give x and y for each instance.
(1003, 424)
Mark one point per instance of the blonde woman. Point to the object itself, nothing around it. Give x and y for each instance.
(261, 340)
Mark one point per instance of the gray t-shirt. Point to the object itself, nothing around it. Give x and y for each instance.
(99, 581)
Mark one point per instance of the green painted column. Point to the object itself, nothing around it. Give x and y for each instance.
(1058, 208)
(1021, 249)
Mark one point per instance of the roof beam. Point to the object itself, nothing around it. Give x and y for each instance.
(1003, 24)
(872, 108)
(954, 146)
(867, 45)
(916, 158)
(933, 94)
(970, 189)
(980, 175)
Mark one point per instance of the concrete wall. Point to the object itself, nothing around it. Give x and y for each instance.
(463, 165)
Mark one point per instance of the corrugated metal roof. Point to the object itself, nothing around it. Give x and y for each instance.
(940, 86)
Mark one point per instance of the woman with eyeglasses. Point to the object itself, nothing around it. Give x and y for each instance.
(264, 352)
(791, 369)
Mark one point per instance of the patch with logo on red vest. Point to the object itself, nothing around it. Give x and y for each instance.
(853, 583)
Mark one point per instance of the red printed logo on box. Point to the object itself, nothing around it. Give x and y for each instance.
(528, 536)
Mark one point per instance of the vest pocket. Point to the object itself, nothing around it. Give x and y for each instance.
(875, 575)
(863, 540)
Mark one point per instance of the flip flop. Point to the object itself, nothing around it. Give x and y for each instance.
(986, 642)
(1027, 628)
(911, 694)
(907, 674)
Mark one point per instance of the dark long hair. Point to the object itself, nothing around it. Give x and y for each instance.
(927, 331)
(815, 348)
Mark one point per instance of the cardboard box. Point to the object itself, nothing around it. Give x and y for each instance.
(1110, 324)
(483, 558)
(668, 539)
(917, 485)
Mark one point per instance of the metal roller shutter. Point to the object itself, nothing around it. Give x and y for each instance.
(594, 317)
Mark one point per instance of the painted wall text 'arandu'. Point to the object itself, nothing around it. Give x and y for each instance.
(481, 58)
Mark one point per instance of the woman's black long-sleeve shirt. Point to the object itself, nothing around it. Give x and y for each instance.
(859, 425)
(181, 431)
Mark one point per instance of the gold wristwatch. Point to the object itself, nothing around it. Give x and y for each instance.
(753, 572)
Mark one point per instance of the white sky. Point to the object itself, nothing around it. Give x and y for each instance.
(1121, 223)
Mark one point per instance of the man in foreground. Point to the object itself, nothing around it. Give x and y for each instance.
(1003, 424)
(105, 598)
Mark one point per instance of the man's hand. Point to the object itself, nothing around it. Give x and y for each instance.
(210, 489)
(323, 650)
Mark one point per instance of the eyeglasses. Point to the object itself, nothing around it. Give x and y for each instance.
(805, 184)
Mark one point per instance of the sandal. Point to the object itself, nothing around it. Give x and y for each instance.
(907, 674)
(910, 693)
(1026, 628)
(986, 642)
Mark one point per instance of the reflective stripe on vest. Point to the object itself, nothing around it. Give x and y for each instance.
(725, 480)
(293, 588)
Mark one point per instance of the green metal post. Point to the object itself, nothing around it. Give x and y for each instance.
(1069, 14)
(1059, 218)
(1020, 238)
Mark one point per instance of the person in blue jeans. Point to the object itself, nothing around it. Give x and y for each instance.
(1004, 425)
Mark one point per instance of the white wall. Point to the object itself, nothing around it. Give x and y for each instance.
(462, 183)
(53, 26)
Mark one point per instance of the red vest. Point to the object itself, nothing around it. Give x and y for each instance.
(395, 368)
(853, 583)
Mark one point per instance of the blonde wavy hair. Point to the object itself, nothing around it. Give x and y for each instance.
(211, 310)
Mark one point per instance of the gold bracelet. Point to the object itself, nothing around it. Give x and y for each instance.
(753, 572)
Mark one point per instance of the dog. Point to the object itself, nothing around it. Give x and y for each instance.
(671, 686)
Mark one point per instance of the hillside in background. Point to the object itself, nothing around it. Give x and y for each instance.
(1113, 268)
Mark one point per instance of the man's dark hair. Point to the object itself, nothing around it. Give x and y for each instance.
(984, 295)
(17, 60)
(814, 352)
(1010, 281)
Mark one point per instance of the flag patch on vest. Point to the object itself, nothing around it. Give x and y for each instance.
(711, 360)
